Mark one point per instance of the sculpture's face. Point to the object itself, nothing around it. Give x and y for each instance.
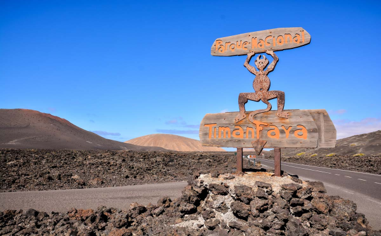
(261, 63)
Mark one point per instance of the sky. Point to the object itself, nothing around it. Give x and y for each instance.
(125, 69)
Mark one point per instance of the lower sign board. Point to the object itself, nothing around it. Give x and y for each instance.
(303, 128)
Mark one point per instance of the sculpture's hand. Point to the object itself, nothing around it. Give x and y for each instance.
(250, 54)
(270, 52)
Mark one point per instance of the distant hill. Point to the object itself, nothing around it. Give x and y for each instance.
(22, 129)
(369, 144)
(173, 142)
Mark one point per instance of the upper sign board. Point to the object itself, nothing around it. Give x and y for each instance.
(303, 128)
(260, 41)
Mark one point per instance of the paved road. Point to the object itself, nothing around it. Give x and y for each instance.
(365, 183)
(64, 200)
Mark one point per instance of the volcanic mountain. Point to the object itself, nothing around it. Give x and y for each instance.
(22, 129)
(173, 142)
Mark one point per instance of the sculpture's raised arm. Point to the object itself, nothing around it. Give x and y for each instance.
(248, 66)
(273, 63)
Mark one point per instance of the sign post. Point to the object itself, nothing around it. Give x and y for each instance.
(264, 128)
(277, 162)
(239, 160)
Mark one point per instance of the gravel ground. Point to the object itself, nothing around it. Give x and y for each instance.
(25, 170)
(370, 164)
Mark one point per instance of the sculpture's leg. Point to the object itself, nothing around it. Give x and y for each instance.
(242, 100)
(252, 114)
(280, 102)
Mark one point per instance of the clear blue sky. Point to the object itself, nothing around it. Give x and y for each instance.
(132, 68)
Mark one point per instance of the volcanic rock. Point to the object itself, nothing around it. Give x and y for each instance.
(240, 209)
(219, 189)
(22, 170)
(244, 193)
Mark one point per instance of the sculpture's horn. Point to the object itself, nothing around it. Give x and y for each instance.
(264, 57)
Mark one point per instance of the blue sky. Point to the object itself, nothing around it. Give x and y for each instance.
(132, 68)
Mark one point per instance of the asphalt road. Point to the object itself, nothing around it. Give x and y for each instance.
(364, 183)
(92, 198)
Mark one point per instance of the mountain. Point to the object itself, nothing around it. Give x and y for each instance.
(173, 142)
(22, 129)
(368, 144)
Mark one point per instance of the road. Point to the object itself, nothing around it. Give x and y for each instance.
(365, 183)
(362, 188)
(92, 198)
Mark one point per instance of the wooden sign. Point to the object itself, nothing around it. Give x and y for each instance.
(260, 41)
(303, 128)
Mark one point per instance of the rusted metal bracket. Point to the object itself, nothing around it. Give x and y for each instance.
(258, 146)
